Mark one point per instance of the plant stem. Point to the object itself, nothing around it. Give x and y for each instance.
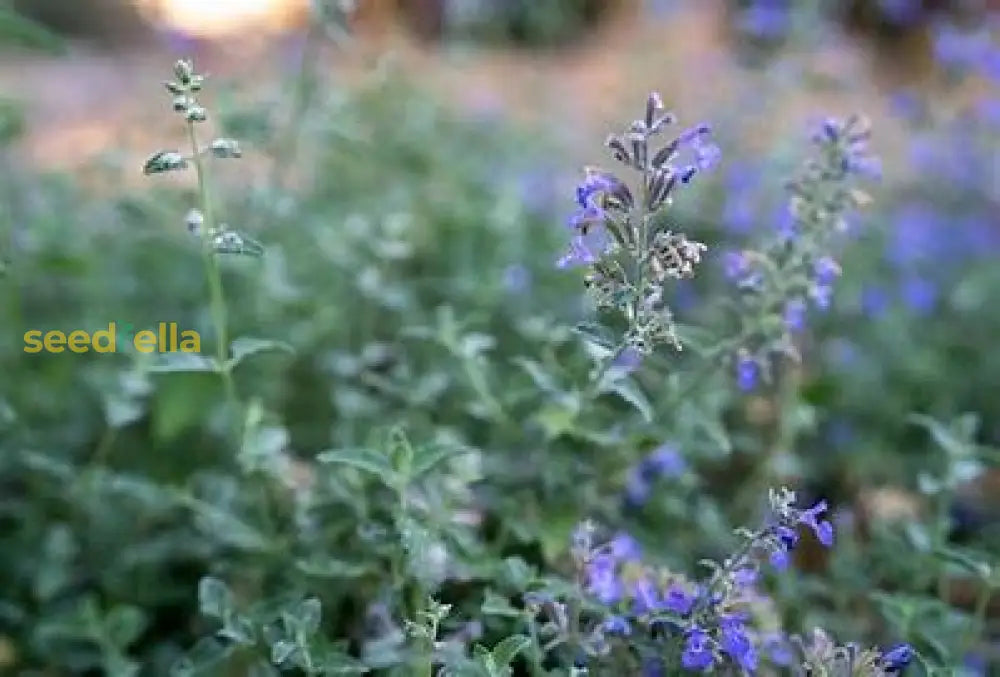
(213, 273)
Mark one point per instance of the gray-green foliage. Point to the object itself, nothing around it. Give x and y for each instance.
(417, 437)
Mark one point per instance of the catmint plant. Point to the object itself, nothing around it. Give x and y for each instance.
(629, 253)
(795, 269)
(215, 237)
(626, 611)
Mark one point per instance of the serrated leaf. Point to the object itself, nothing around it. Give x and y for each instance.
(245, 346)
(367, 460)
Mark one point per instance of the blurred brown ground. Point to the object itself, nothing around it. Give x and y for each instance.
(94, 101)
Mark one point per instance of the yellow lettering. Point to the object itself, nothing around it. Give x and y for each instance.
(190, 342)
(33, 341)
(54, 341)
(79, 341)
(145, 341)
(111, 335)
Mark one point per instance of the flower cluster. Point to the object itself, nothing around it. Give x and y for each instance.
(796, 267)
(713, 623)
(629, 253)
(184, 90)
(821, 655)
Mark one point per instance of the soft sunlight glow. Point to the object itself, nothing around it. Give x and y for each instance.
(213, 18)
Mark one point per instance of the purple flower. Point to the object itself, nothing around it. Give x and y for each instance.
(874, 301)
(602, 579)
(586, 248)
(746, 374)
(637, 488)
(625, 548)
(795, 315)
(744, 577)
(901, 12)
(617, 625)
(822, 296)
(653, 667)
(826, 271)
(779, 559)
(679, 600)
(919, 294)
(628, 360)
(822, 528)
(788, 536)
(898, 657)
(516, 278)
(737, 644)
(779, 649)
(590, 190)
(739, 212)
(766, 19)
(907, 105)
(918, 233)
(665, 461)
(956, 50)
(786, 224)
(736, 266)
(697, 653)
(645, 596)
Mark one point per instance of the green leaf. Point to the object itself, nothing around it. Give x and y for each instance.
(309, 612)
(166, 363)
(205, 658)
(246, 346)
(214, 597)
(164, 161)
(329, 567)
(495, 605)
(507, 650)
(977, 567)
(16, 29)
(124, 624)
(367, 460)
(954, 440)
(238, 629)
(429, 456)
(557, 419)
(544, 381)
(332, 662)
(629, 391)
(281, 651)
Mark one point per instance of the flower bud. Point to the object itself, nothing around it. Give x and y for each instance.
(184, 70)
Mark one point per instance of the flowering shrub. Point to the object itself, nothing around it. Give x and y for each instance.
(415, 446)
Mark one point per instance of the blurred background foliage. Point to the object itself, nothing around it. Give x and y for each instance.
(409, 264)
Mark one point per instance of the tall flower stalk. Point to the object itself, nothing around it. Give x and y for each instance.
(629, 253)
(216, 238)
